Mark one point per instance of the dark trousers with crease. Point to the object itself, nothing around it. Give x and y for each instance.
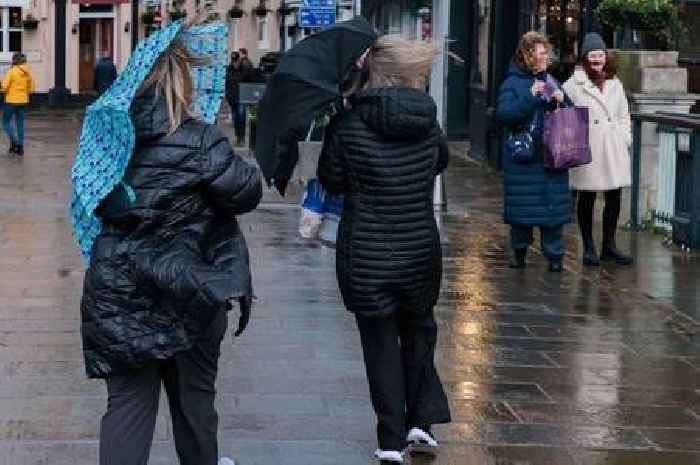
(189, 378)
(404, 385)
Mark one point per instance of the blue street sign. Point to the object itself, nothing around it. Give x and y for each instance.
(318, 4)
(316, 17)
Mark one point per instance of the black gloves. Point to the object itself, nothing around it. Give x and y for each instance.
(245, 304)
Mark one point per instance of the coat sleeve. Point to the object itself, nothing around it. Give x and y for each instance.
(6, 80)
(622, 114)
(332, 171)
(515, 106)
(232, 184)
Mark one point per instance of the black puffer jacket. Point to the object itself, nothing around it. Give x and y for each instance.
(171, 256)
(384, 154)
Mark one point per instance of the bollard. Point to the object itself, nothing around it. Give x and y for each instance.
(439, 193)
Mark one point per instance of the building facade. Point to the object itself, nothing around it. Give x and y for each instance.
(64, 39)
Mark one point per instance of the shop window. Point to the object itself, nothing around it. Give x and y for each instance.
(11, 29)
(263, 33)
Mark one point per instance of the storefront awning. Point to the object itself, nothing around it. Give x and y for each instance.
(15, 3)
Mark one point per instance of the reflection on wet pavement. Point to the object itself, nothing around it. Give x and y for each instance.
(589, 367)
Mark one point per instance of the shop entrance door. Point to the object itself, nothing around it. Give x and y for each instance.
(96, 40)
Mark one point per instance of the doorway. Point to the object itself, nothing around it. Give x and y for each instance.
(96, 41)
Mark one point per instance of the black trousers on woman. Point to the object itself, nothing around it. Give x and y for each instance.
(404, 385)
(127, 428)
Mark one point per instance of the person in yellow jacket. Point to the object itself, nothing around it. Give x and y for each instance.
(17, 85)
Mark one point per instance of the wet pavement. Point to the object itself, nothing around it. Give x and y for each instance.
(588, 367)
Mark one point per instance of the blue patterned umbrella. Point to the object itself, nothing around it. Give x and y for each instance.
(107, 139)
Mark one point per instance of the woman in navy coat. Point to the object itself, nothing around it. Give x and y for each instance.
(533, 194)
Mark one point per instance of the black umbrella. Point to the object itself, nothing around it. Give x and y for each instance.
(307, 80)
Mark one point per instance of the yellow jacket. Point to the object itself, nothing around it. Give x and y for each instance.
(18, 84)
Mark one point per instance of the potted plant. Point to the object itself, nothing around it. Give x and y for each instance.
(30, 23)
(659, 20)
(261, 10)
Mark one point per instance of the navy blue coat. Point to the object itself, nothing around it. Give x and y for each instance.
(533, 195)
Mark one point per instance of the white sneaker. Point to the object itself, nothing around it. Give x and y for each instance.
(388, 455)
(226, 461)
(421, 442)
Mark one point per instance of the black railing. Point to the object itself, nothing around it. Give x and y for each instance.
(686, 213)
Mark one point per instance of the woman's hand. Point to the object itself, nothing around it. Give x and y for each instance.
(537, 88)
(558, 95)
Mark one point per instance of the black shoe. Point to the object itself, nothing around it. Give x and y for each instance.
(590, 257)
(13, 149)
(611, 254)
(517, 261)
(19, 150)
(555, 266)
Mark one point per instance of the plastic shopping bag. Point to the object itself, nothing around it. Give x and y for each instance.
(312, 209)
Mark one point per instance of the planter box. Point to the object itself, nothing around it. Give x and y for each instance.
(235, 13)
(30, 24)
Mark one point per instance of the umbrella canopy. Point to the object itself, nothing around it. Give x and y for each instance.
(307, 80)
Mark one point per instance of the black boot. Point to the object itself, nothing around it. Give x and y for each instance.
(517, 261)
(610, 253)
(13, 149)
(19, 150)
(590, 256)
(586, 203)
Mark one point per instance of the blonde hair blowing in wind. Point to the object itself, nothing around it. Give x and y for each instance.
(395, 61)
(172, 78)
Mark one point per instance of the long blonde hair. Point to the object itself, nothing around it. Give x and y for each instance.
(395, 61)
(172, 78)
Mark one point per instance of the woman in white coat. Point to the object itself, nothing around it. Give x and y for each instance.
(595, 86)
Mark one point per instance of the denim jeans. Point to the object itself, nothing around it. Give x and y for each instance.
(17, 111)
(550, 240)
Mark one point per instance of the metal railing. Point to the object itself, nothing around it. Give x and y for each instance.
(678, 195)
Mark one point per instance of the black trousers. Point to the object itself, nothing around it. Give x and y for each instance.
(404, 385)
(126, 432)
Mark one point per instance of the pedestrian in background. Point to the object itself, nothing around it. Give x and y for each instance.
(169, 257)
(595, 86)
(105, 73)
(17, 85)
(234, 75)
(383, 153)
(533, 194)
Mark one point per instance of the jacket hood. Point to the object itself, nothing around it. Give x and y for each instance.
(149, 115)
(396, 111)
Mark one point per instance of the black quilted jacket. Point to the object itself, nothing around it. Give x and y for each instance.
(171, 256)
(384, 154)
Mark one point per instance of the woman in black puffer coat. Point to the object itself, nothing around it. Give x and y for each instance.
(383, 154)
(164, 268)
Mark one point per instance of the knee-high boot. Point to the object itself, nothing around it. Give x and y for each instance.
(611, 214)
(586, 206)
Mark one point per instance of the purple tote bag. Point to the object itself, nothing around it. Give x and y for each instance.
(566, 138)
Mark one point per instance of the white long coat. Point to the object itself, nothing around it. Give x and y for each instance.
(610, 134)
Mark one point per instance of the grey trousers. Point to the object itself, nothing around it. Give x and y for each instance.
(189, 378)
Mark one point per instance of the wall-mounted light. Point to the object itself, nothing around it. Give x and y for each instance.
(127, 26)
(75, 27)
